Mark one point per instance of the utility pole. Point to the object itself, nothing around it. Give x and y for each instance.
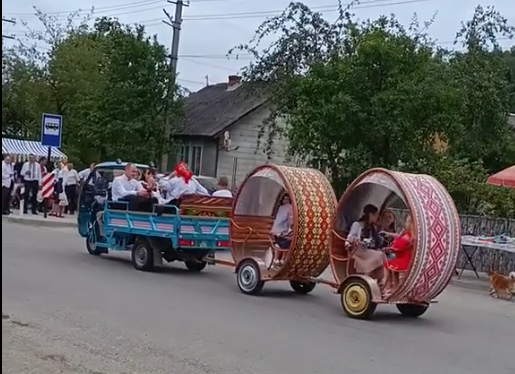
(11, 21)
(175, 23)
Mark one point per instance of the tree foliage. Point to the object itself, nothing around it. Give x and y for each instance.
(350, 95)
(110, 82)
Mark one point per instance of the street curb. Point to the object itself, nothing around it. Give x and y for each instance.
(39, 222)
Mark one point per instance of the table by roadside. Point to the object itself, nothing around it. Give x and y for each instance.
(482, 256)
(40, 220)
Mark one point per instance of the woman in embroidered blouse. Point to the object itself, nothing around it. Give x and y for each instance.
(282, 228)
(182, 182)
(368, 261)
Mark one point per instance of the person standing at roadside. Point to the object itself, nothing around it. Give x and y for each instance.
(42, 164)
(70, 189)
(31, 174)
(7, 184)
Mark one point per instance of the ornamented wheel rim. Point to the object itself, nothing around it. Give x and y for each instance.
(355, 298)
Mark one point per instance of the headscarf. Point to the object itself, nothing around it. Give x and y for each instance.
(181, 170)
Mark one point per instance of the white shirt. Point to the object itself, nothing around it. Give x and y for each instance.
(7, 174)
(355, 231)
(222, 193)
(176, 187)
(83, 174)
(31, 171)
(122, 186)
(283, 219)
(63, 174)
(72, 178)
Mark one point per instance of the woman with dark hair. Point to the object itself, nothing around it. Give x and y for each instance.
(368, 261)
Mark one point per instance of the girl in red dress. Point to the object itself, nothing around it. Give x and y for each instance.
(401, 252)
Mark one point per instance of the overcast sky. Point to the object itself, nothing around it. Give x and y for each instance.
(211, 27)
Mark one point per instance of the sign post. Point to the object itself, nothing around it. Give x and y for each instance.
(51, 136)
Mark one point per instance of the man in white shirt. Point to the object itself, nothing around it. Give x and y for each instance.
(126, 188)
(223, 188)
(72, 180)
(31, 174)
(84, 174)
(7, 184)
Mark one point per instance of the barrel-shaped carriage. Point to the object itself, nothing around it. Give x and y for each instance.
(435, 243)
(254, 210)
(319, 237)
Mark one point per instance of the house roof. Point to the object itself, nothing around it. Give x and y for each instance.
(511, 119)
(214, 108)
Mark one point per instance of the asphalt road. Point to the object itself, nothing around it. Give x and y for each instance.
(64, 311)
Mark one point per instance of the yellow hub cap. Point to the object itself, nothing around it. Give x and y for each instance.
(355, 299)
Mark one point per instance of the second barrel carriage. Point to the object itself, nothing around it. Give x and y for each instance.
(313, 206)
(318, 237)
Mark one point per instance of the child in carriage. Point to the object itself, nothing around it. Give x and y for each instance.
(401, 252)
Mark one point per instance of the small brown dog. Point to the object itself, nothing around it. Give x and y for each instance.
(502, 285)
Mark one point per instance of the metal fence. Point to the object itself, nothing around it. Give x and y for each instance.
(474, 225)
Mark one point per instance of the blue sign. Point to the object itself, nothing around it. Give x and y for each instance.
(51, 130)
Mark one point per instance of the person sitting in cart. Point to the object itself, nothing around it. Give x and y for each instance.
(387, 229)
(126, 188)
(402, 250)
(223, 188)
(368, 261)
(181, 183)
(282, 231)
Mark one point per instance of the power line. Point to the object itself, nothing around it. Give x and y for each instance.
(114, 10)
(207, 64)
(270, 13)
(106, 8)
(11, 21)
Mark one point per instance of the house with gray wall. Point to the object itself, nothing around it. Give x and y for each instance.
(221, 111)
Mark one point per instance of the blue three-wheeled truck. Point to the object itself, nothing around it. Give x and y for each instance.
(190, 232)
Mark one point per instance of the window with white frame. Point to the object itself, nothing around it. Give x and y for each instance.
(192, 156)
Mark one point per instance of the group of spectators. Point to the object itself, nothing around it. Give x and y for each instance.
(28, 176)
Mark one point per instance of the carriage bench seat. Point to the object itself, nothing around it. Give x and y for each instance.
(252, 232)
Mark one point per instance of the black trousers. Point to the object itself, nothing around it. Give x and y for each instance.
(71, 195)
(6, 199)
(138, 203)
(31, 196)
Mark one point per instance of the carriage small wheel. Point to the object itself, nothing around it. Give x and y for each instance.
(91, 246)
(248, 277)
(195, 266)
(412, 310)
(302, 288)
(142, 255)
(356, 299)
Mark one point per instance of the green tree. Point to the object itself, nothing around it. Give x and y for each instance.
(363, 94)
(351, 95)
(22, 90)
(110, 82)
(487, 93)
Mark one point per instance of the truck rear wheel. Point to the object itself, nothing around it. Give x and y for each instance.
(195, 266)
(142, 255)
